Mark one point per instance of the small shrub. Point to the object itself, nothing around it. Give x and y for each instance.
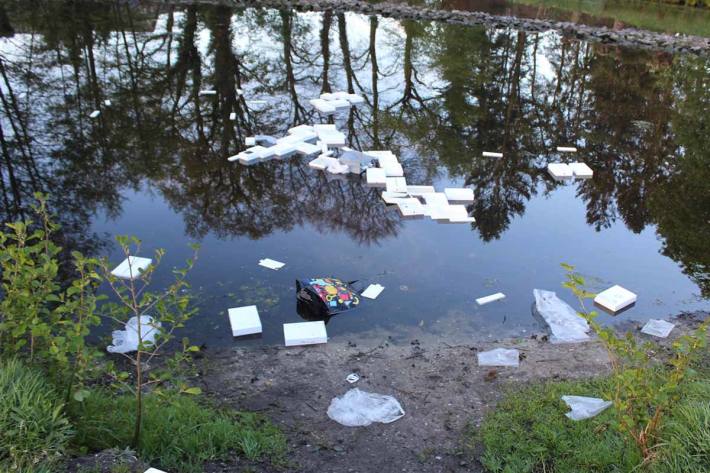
(33, 429)
(179, 434)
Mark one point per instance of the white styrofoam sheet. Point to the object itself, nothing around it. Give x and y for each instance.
(581, 170)
(658, 328)
(488, 299)
(396, 184)
(372, 291)
(271, 264)
(131, 267)
(420, 190)
(491, 154)
(499, 357)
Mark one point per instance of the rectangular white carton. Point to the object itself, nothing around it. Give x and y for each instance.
(244, 320)
(305, 333)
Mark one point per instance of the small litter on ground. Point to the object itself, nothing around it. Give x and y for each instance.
(615, 299)
(566, 149)
(126, 341)
(244, 320)
(581, 170)
(360, 408)
(658, 328)
(271, 264)
(372, 291)
(492, 298)
(107, 103)
(499, 357)
(566, 325)
(319, 298)
(489, 154)
(305, 333)
(131, 267)
(584, 407)
(95, 114)
(560, 170)
(352, 378)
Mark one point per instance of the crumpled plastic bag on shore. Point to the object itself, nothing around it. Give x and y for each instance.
(584, 407)
(499, 357)
(565, 324)
(360, 408)
(126, 341)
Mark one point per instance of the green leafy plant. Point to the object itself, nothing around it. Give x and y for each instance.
(168, 310)
(643, 389)
(41, 320)
(34, 431)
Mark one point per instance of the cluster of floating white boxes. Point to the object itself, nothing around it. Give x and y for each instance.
(566, 172)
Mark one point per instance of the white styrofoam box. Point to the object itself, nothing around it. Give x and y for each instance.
(355, 99)
(462, 220)
(393, 169)
(268, 152)
(322, 162)
(378, 154)
(322, 106)
(131, 267)
(435, 199)
(490, 154)
(208, 92)
(250, 141)
(265, 140)
(658, 328)
(339, 103)
(95, 114)
(499, 357)
(393, 197)
(396, 184)
(307, 149)
(305, 333)
(488, 299)
(298, 137)
(232, 116)
(385, 158)
(271, 264)
(335, 139)
(410, 207)
(420, 190)
(566, 149)
(107, 103)
(458, 195)
(283, 149)
(244, 320)
(559, 170)
(236, 157)
(250, 155)
(581, 170)
(615, 298)
(372, 291)
(324, 127)
(301, 129)
(337, 96)
(328, 96)
(376, 177)
(456, 212)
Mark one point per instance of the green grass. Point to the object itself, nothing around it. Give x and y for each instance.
(180, 434)
(33, 429)
(528, 432)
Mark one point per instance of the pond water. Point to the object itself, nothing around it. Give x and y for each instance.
(154, 163)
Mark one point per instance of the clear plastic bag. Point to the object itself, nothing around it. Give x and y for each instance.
(499, 357)
(565, 324)
(360, 408)
(584, 407)
(126, 341)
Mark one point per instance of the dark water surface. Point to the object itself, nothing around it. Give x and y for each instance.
(154, 164)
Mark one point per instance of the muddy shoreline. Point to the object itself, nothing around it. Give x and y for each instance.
(627, 37)
(441, 387)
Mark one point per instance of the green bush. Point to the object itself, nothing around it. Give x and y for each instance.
(33, 429)
(179, 433)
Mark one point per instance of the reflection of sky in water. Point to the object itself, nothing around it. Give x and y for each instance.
(463, 81)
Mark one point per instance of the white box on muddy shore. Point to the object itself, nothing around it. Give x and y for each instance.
(615, 298)
(131, 267)
(305, 333)
(244, 320)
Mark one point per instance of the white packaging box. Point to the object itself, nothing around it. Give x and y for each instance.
(435, 199)
(301, 129)
(107, 103)
(298, 137)
(307, 149)
(208, 92)
(376, 177)
(244, 320)
(385, 158)
(251, 155)
(283, 149)
(380, 154)
(499, 357)
(420, 190)
(271, 264)
(327, 96)
(322, 162)
(393, 169)
(396, 184)
(322, 106)
(410, 207)
(131, 267)
(458, 195)
(355, 99)
(232, 116)
(559, 170)
(581, 170)
(334, 139)
(324, 127)
(566, 149)
(492, 298)
(339, 103)
(489, 154)
(250, 141)
(305, 333)
(462, 220)
(456, 213)
(658, 328)
(372, 291)
(393, 197)
(95, 114)
(615, 298)
(240, 92)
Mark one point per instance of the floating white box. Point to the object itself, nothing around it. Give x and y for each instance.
(301, 129)
(307, 149)
(240, 92)
(380, 154)
(107, 103)
(233, 116)
(489, 154)
(435, 199)
(298, 137)
(396, 184)
(410, 207)
(658, 328)
(251, 155)
(283, 149)
(393, 197)
(327, 96)
(458, 195)
(376, 177)
(492, 298)
(456, 212)
(420, 190)
(271, 264)
(324, 127)
(322, 106)
(305, 333)
(355, 99)
(244, 320)
(393, 169)
(250, 141)
(322, 162)
(208, 92)
(566, 149)
(131, 267)
(615, 298)
(372, 291)
(559, 170)
(335, 139)
(581, 170)
(95, 114)
(339, 103)
(462, 220)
